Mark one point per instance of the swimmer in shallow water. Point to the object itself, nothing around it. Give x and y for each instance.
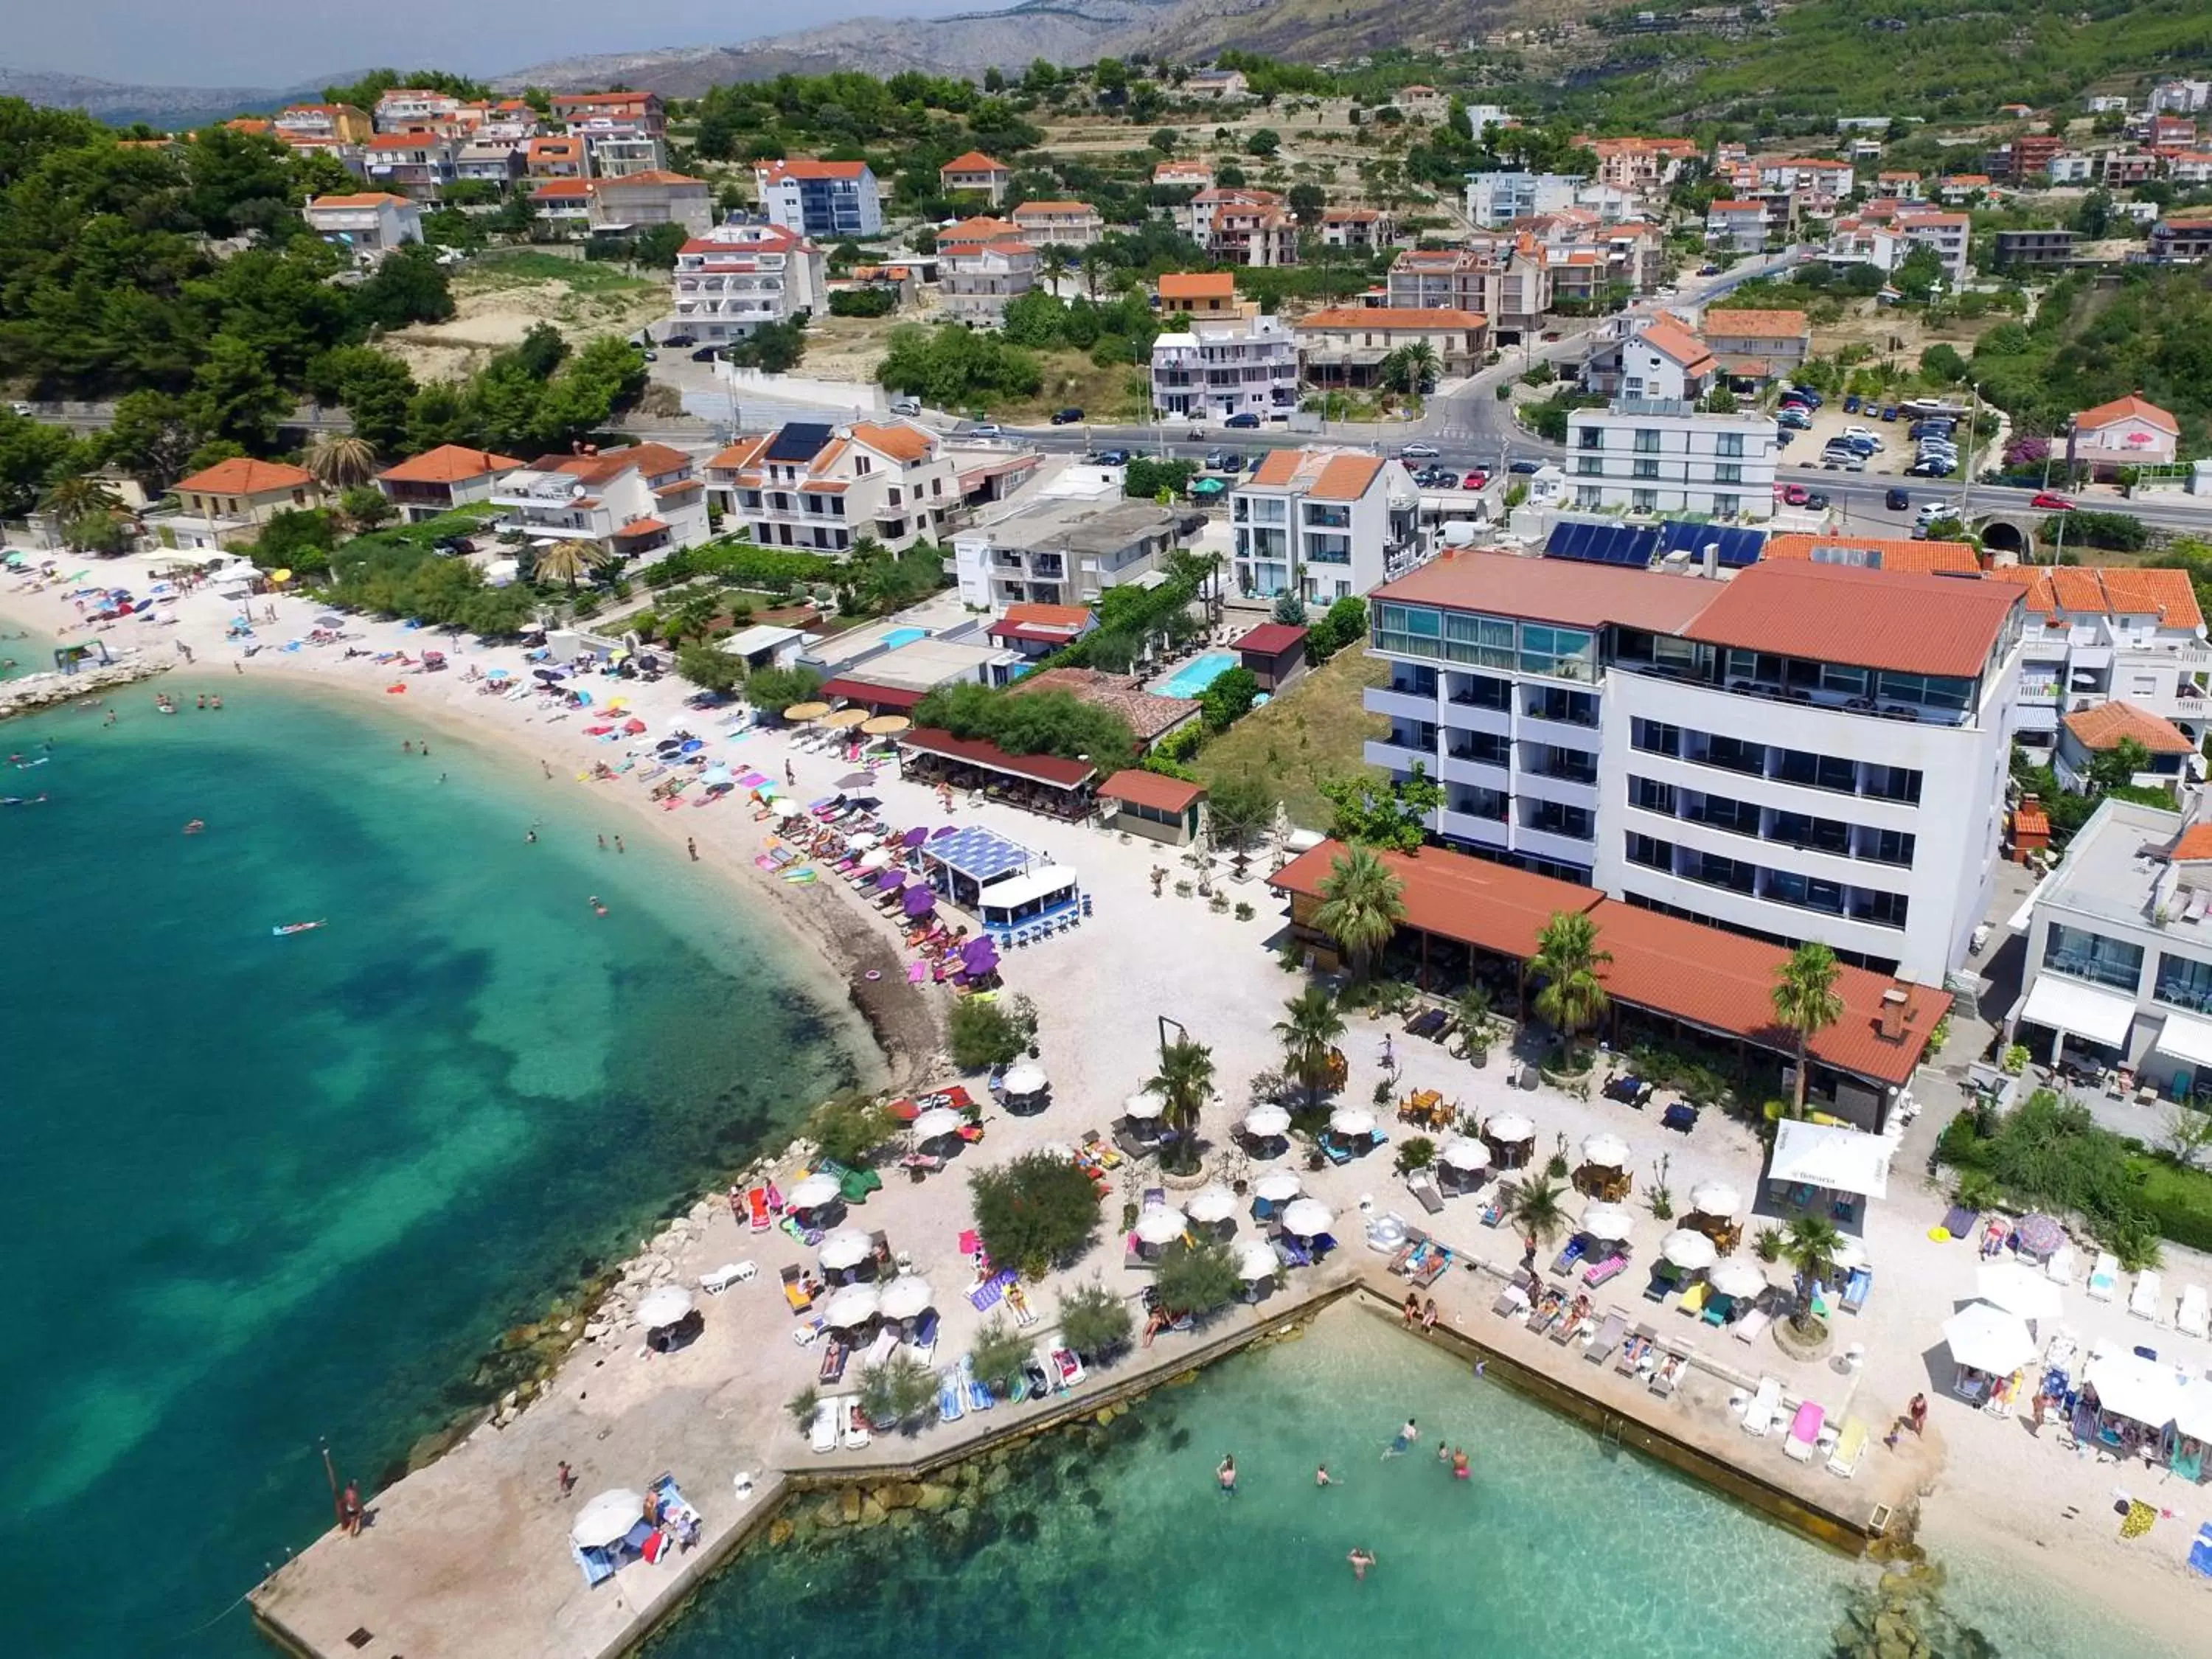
(1361, 1559)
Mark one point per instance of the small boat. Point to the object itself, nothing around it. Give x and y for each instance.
(298, 928)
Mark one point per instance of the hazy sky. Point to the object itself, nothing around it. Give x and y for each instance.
(279, 42)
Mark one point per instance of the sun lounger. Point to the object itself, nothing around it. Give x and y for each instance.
(1514, 1298)
(1024, 1316)
(1856, 1289)
(1844, 1461)
(1067, 1368)
(1693, 1299)
(1758, 1413)
(1752, 1325)
(1668, 1375)
(1550, 1305)
(834, 1357)
(822, 1436)
(1494, 1213)
(1598, 1271)
(951, 1398)
(1804, 1433)
(923, 1342)
(885, 1345)
(1563, 1263)
(1719, 1309)
(756, 1209)
(1643, 1343)
(2104, 1277)
(1607, 1338)
(2144, 1301)
(2062, 1266)
(1423, 1186)
(729, 1273)
(795, 1291)
(2191, 1318)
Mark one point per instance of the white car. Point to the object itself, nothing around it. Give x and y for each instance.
(822, 1436)
(1418, 451)
(854, 1426)
(1873, 438)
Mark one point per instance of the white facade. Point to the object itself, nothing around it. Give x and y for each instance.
(1666, 457)
(2139, 638)
(1495, 200)
(1063, 552)
(1325, 525)
(632, 502)
(1220, 367)
(371, 222)
(824, 487)
(829, 199)
(736, 277)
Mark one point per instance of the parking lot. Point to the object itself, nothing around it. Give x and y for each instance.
(1895, 457)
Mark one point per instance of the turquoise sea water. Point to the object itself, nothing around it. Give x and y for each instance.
(1117, 1541)
(259, 1192)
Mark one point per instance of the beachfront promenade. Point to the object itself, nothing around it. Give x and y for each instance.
(470, 1554)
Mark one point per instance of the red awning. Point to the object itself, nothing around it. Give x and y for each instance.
(976, 752)
(876, 696)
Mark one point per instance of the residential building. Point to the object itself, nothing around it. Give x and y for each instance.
(2085, 737)
(2178, 97)
(1241, 227)
(1646, 457)
(2025, 159)
(337, 123)
(2028, 249)
(638, 199)
(1223, 366)
(1736, 227)
(646, 499)
(1422, 103)
(1817, 184)
(233, 499)
(1958, 189)
(2118, 965)
(1480, 116)
(982, 263)
(2181, 241)
(402, 109)
(2093, 635)
(2127, 432)
(1064, 552)
(1149, 716)
(2163, 132)
(1646, 166)
(1323, 524)
(1184, 175)
(623, 133)
(498, 165)
(555, 156)
(1201, 294)
(2073, 166)
(827, 200)
(1217, 85)
(367, 224)
(1038, 630)
(1346, 345)
(1662, 359)
(737, 277)
(887, 678)
(439, 480)
(1364, 229)
(563, 203)
(1947, 234)
(1758, 346)
(1495, 200)
(1506, 280)
(1897, 186)
(1886, 244)
(2190, 167)
(417, 165)
(1802, 752)
(2107, 103)
(823, 487)
(976, 174)
(1063, 224)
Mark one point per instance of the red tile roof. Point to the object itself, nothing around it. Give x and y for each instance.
(879, 696)
(1153, 789)
(1198, 285)
(1891, 553)
(638, 527)
(975, 162)
(448, 463)
(1391, 319)
(806, 169)
(360, 198)
(1703, 976)
(2126, 409)
(2087, 590)
(975, 752)
(1325, 475)
(900, 442)
(241, 476)
(1272, 639)
(2111, 724)
(1666, 335)
(2193, 844)
(1868, 619)
(1556, 590)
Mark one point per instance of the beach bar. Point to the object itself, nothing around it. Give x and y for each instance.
(1040, 783)
(1153, 805)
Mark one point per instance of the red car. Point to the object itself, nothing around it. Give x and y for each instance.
(2050, 503)
(1476, 480)
(1797, 494)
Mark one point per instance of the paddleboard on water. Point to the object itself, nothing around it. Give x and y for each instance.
(297, 928)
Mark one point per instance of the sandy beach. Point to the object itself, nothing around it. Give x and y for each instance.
(716, 1407)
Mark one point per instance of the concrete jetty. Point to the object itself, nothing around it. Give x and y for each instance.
(36, 692)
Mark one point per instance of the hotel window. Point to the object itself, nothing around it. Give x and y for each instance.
(1645, 467)
(1644, 501)
(1898, 783)
(1727, 506)
(1726, 473)
(1651, 796)
(1728, 443)
(2079, 954)
(1647, 441)
(1651, 852)
(1592, 437)
(2184, 982)
(1655, 738)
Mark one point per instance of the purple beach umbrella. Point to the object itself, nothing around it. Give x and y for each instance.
(890, 879)
(919, 901)
(914, 837)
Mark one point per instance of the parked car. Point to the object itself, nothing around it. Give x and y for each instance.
(986, 430)
(1475, 480)
(1889, 411)
(706, 354)
(1413, 452)
(651, 356)
(1897, 500)
(1796, 494)
(1932, 469)
(1794, 420)
(1065, 416)
(1112, 458)
(908, 407)
(1524, 466)
(1867, 433)
(2052, 503)
(1243, 421)
(1223, 460)
(679, 340)
(1709, 269)
(1255, 460)
(1852, 404)
(1807, 394)
(1817, 501)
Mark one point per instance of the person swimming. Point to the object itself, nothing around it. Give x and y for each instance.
(1225, 1472)
(1460, 1468)
(195, 826)
(1361, 1559)
(597, 906)
(1407, 1437)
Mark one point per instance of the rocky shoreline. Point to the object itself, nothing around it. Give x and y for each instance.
(34, 692)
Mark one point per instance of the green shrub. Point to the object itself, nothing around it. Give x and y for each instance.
(982, 1035)
(1093, 1321)
(1196, 1278)
(1036, 1213)
(850, 1127)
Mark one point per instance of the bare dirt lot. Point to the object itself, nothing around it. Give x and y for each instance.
(501, 299)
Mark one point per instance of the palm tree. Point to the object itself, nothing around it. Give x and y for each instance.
(1478, 1029)
(1809, 1244)
(1052, 261)
(1806, 1001)
(568, 561)
(1362, 904)
(1420, 366)
(1093, 260)
(79, 495)
(1184, 1080)
(1567, 959)
(1533, 1203)
(1309, 1033)
(340, 460)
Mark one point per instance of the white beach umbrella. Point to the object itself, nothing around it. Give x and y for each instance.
(1277, 1187)
(1849, 1253)
(1145, 1104)
(1257, 1262)
(813, 1193)
(1510, 1128)
(2018, 1290)
(1211, 1204)
(1352, 1122)
(1023, 1081)
(1988, 1338)
(1160, 1226)
(663, 1306)
(607, 1518)
(1608, 1222)
(864, 843)
(875, 858)
(907, 1297)
(856, 1304)
(1605, 1151)
(1738, 1279)
(1266, 1123)
(936, 1123)
(848, 1247)
(1692, 1251)
(1305, 1218)
(1716, 1199)
(1466, 1155)
(787, 808)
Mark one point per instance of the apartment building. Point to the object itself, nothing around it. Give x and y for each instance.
(829, 201)
(555, 156)
(2118, 965)
(983, 264)
(1736, 226)
(1323, 524)
(1217, 85)
(1803, 752)
(2178, 97)
(437, 481)
(231, 500)
(654, 197)
(1063, 224)
(1886, 243)
(2093, 635)
(1756, 345)
(1242, 226)
(1897, 186)
(2028, 249)
(623, 133)
(1645, 166)
(1364, 229)
(498, 165)
(400, 109)
(2181, 241)
(1662, 359)
(1346, 345)
(1505, 279)
(417, 164)
(1184, 175)
(631, 503)
(1201, 294)
(1816, 184)
(977, 174)
(823, 487)
(1664, 457)
(368, 222)
(2088, 738)
(737, 277)
(1064, 552)
(2128, 432)
(1218, 367)
(335, 123)
(1495, 200)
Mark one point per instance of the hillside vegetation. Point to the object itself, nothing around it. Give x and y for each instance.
(2088, 345)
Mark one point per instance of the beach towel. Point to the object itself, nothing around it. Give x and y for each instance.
(2139, 1518)
(986, 1295)
(2200, 1552)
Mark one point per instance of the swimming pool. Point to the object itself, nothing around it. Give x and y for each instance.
(1194, 675)
(899, 637)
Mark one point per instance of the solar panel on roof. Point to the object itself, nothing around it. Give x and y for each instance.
(979, 854)
(798, 440)
(1738, 547)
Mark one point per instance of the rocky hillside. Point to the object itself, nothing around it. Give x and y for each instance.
(160, 106)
